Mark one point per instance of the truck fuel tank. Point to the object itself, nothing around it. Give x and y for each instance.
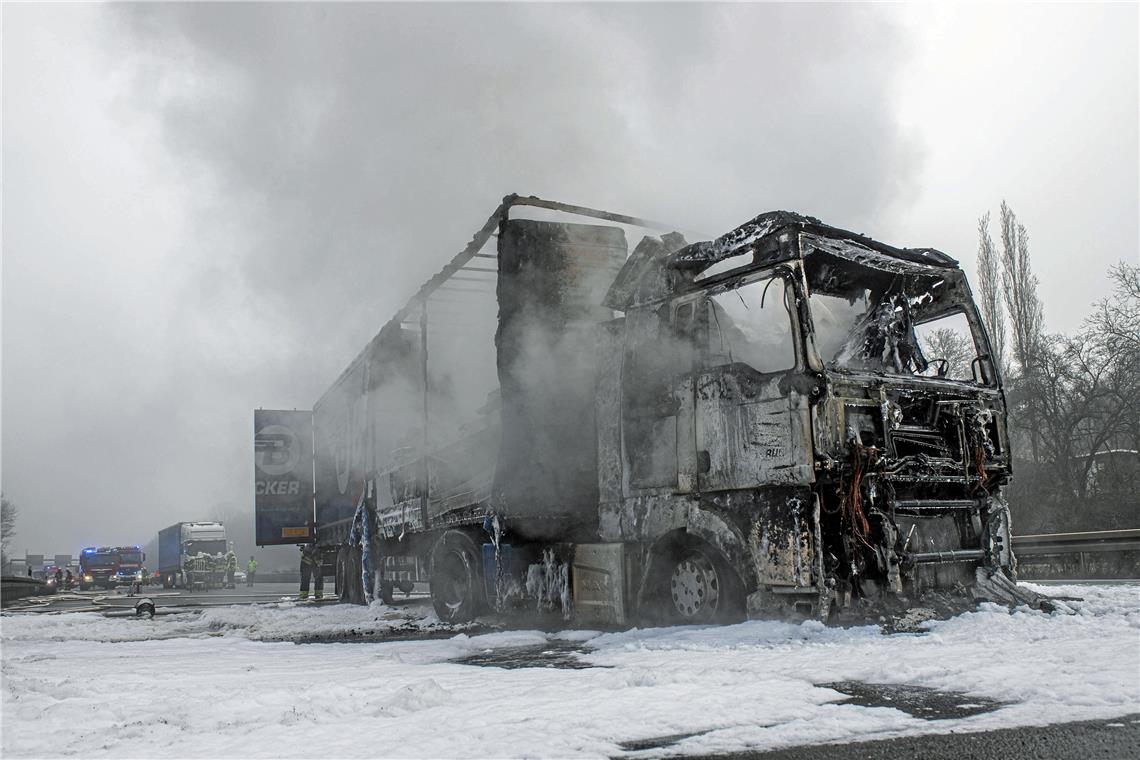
(599, 576)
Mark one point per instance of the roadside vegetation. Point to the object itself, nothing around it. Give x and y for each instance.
(1074, 400)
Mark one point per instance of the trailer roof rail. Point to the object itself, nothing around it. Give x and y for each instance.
(473, 250)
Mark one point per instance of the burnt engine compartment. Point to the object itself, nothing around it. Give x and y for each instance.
(909, 486)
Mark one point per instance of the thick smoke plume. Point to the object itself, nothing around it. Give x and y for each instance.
(304, 167)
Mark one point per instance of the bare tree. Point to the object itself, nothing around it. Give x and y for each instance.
(1085, 398)
(1026, 320)
(1115, 327)
(8, 514)
(951, 345)
(1026, 314)
(1117, 318)
(990, 291)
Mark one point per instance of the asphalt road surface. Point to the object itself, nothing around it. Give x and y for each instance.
(1116, 739)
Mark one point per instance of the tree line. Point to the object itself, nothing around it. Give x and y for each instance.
(1074, 400)
(8, 514)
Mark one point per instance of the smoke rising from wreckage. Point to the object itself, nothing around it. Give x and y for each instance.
(686, 433)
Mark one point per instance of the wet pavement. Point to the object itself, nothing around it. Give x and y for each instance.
(919, 701)
(561, 655)
(658, 742)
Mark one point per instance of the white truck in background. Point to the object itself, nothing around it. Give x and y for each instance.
(190, 552)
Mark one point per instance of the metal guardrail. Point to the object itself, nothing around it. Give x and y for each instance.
(1092, 555)
(1078, 543)
(13, 587)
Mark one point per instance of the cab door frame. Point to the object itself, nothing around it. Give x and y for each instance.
(730, 432)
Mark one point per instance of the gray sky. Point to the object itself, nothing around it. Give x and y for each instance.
(209, 208)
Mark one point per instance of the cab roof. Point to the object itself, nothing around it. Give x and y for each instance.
(764, 234)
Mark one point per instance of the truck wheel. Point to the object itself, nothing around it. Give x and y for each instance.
(694, 586)
(456, 581)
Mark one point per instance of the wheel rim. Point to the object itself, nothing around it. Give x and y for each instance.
(695, 587)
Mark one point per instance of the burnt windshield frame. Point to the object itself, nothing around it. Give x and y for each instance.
(980, 355)
(833, 277)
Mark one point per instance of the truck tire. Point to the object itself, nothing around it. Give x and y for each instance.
(456, 578)
(692, 584)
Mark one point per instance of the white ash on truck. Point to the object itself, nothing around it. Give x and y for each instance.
(753, 425)
(192, 554)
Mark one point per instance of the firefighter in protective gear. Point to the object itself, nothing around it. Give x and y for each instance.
(231, 568)
(311, 568)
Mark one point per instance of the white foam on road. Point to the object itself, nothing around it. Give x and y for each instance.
(217, 684)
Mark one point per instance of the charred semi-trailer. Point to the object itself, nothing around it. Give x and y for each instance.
(791, 418)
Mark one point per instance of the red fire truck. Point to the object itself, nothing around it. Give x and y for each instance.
(110, 566)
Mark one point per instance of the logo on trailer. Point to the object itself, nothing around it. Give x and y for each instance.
(277, 487)
(277, 450)
(283, 467)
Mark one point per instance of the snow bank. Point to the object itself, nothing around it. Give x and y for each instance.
(219, 684)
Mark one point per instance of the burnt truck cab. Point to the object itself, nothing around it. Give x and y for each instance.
(807, 419)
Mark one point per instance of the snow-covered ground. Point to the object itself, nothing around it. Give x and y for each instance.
(222, 683)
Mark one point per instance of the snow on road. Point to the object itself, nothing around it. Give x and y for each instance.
(223, 684)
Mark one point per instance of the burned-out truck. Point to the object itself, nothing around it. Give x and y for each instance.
(789, 418)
